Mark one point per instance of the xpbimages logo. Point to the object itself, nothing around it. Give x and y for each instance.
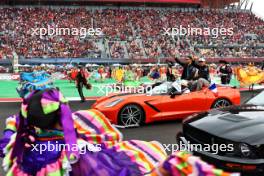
(82, 148)
(189, 31)
(187, 146)
(59, 31)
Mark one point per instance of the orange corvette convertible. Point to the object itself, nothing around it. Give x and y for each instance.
(128, 109)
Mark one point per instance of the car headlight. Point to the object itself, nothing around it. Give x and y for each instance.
(245, 150)
(113, 103)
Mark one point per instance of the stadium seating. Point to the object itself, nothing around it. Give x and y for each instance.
(127, 33)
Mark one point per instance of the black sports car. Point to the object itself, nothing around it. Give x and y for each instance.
(231, 138)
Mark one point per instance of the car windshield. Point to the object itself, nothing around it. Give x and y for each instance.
(161, 89)
(257, 100)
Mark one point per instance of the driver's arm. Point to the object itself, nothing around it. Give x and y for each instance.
(179, 62)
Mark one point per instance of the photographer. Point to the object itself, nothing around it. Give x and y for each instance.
(82, 81)
(225, 72)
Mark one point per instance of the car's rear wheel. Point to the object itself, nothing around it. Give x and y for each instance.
(131, 115)
(221, 103)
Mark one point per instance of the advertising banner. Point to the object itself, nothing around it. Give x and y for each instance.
(9, 76)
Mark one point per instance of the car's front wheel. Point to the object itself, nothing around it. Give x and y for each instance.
(131, 115)
(221, 103)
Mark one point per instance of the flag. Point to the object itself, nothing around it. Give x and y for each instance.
(213, 88)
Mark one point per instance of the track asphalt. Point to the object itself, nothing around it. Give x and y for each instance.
(163, 132)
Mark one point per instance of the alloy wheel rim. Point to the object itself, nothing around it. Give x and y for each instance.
(221, 104)
(131, 115)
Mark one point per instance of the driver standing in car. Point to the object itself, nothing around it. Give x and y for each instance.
(189, 71)
(197, 75)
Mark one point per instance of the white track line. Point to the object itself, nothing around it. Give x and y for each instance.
(16, 100)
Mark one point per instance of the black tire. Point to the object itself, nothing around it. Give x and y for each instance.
(221, 103)
(131, 115)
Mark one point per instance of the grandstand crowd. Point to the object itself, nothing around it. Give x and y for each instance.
(127, 33)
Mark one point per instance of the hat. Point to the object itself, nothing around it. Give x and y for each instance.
(50, 105)
(36, 115)
(201, 59)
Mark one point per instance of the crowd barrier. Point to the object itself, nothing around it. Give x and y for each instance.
(120, 61)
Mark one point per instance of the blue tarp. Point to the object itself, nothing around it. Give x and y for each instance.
(33, 81)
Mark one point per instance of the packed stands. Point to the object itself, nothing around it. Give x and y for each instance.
(128, 33)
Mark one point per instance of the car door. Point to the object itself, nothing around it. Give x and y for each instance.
(183, 105)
